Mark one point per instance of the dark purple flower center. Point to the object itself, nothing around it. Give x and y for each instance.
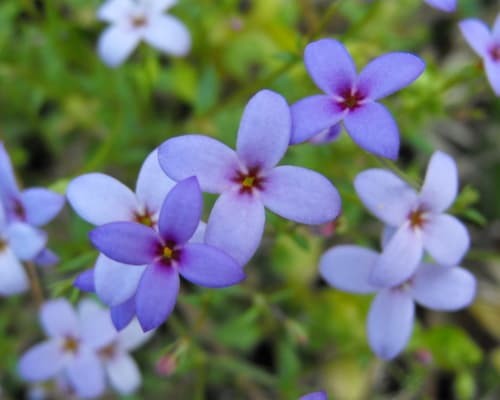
(417, 218)
(18, 210)
(350, 99)
(70, 345)
(108, 352)
(169, 253)
(495, 52)
(250, 180)
(145, 218)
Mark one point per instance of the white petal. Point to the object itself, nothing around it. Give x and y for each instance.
(116, 43)
(97, 330)
(168, 34)
(133, 336)
(13, 278)
(25, 241)
(115, 10)
(123, 373)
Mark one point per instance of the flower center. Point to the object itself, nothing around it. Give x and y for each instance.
(350, 100)
(169, 253)
(3, 245)
(417, 219)
(139, 21)
(495, 52)
(249, 181)
(146, 218)
(70, 345)
(18, 210)
(108, 352)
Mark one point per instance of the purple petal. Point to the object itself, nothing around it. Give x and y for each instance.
(441, 183)
(443, 289)
(116, 282)
(46, 258)
(126, 242)
(493, 74)
(85, 281)
(122, 314)
(25, 241)
(385, 195)
(167, 34)
(97, 330)
(387, 234)
(264, 131)
(133, 336)
(496, 28)
(315, 396)
(373, 129)
(181, 212)
(41, 205)
(390, 322)
(123, 373)
(330, 65)
(100, 199)
(348, 268)
(86, 375)
(58, 319)
(399, 259)
(211, 161)
(236, 225)
(156, 296)
(153, 184)
(8, 188)
(41, 362)
(312, 115)
(301, 195)
(389, 73)
(208, 266)
(477, 34)
(444, 5)
(13, 278)
(116, 43)
(446, 239)
(327, 135)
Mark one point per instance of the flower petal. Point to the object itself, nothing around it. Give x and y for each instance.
(399, 259)
(441, 183)
(373, 129)
(168, 34)
(13, 278)
(446, 239)
(477, 34)
(153, 184)
(85, 281)
(97, 330)
(116, 43)
(389, 73)
(330, 65)
(25, 241)
(327, 135)
(46, 258)
(496, 28)
(390, 322)
(236, 225)
(315, 396)
(444, 5)
(123, 373)
(211, 161)
(301, 195)
(114, 10)
(86, 374)
(348, 268)
(181, 212)
(264, 131)
(312, 115)
(41, 205)
(385, 195)
(126, 242)
(58, 318)
(41, 362)
(156, 296)
(208, 266)
(8, 188)
(161, 5)
(133, 336)
(443, 289)
(199, 233)
(122, 314)
(493, 74)
(116, 282)
(100, 199)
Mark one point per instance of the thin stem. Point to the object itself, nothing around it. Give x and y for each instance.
(36, 287)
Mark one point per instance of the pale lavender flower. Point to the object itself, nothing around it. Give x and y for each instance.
(443, 5)
(392, 313)
(165, 254)
(136, 20)
(417, 219)
(315, 396)
(487, 45)
(248, 178)
(352, 98)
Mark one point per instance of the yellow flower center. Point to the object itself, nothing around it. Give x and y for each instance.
(70, 345)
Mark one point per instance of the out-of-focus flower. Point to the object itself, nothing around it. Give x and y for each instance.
(315, 396)
(165, 254)
(487, 45)
(391, 316)
(135, 20)
(417, 220)
(248, 178)
(443, 5)
(352, 98)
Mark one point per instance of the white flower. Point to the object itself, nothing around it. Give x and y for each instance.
(136, 20)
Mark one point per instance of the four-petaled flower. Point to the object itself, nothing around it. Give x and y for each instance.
(133, 21)
(487, 45)
(417, 218)
(249, 179)
(391, 316)
(352, 98)
(443, 5)
(166, 254)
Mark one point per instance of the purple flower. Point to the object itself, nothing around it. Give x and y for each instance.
(390, 320)
(444, 5)
(315, 396)
(165, 254)
(352, 98)
(417, 219)
(487, 45)
(136, 20)
(248, 178)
